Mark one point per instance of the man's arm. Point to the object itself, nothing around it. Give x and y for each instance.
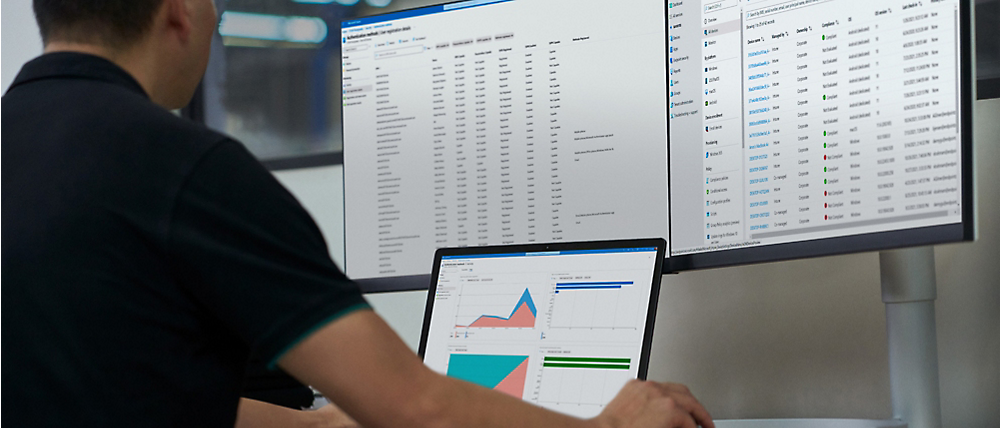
(360, 364)
(258, 414)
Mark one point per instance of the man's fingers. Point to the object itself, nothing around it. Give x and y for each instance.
(670, 389)
(676, 387)
(682, 420)
(697, 411)
(654, 404)
(685, 400)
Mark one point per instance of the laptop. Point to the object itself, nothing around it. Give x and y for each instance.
(563, 326)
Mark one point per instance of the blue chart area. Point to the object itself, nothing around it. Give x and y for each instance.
(598, 305)
(523, 315)
(591, 285)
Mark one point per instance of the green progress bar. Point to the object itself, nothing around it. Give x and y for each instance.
(590, 359)
(587, 366)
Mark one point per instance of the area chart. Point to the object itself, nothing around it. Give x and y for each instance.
(504, 373)
(523, 316)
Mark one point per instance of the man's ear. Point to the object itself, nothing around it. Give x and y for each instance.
(176, 15)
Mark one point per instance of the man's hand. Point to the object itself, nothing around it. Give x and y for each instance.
(652, 404)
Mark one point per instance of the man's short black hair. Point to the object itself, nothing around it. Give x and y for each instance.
(115, 23)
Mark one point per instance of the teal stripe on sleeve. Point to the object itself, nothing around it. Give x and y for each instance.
(271, 365)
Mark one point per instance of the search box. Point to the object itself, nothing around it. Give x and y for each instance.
(409, 50)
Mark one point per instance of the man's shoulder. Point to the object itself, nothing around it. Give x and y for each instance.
(155, 125)
(110, 141)
(63, 107)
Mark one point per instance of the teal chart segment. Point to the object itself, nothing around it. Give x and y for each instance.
(483, 370)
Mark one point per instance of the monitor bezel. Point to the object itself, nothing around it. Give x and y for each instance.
(868, 242)
(647, 337)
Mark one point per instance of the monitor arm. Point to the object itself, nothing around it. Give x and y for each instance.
(909, 288)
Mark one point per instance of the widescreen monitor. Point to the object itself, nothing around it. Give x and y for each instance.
(789, 129)
(814, 127)
(500, 122)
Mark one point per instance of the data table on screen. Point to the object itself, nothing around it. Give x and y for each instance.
(795, 121)
(503, 122)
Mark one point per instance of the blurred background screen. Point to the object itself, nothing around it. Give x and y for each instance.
(273, 81)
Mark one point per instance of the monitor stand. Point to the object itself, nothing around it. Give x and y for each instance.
(909, 288)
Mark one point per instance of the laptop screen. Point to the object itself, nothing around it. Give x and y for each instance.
(562, 329)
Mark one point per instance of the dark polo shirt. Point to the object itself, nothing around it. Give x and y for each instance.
(145, 257)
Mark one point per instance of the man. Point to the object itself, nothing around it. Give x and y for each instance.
(146, 257)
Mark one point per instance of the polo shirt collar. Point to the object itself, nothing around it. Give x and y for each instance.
(76, 65)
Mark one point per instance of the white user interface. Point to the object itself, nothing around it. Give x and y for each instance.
(502, 122)
(563, 330)
(809, 119)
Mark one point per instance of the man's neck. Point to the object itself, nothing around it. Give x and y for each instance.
(141, 69)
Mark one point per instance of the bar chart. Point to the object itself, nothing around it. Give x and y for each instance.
(596, 305)
(582, 385)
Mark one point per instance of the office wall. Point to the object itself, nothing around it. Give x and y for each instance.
(969, 296)
(19, 39)
(792, 339)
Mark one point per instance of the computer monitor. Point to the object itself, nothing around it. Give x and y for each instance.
(815, 127)
(564, 326)
(492, 122)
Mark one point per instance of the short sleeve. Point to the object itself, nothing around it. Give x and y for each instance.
(247, 251)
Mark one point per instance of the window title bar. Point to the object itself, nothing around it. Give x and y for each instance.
(430, 10)
(553, 253)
